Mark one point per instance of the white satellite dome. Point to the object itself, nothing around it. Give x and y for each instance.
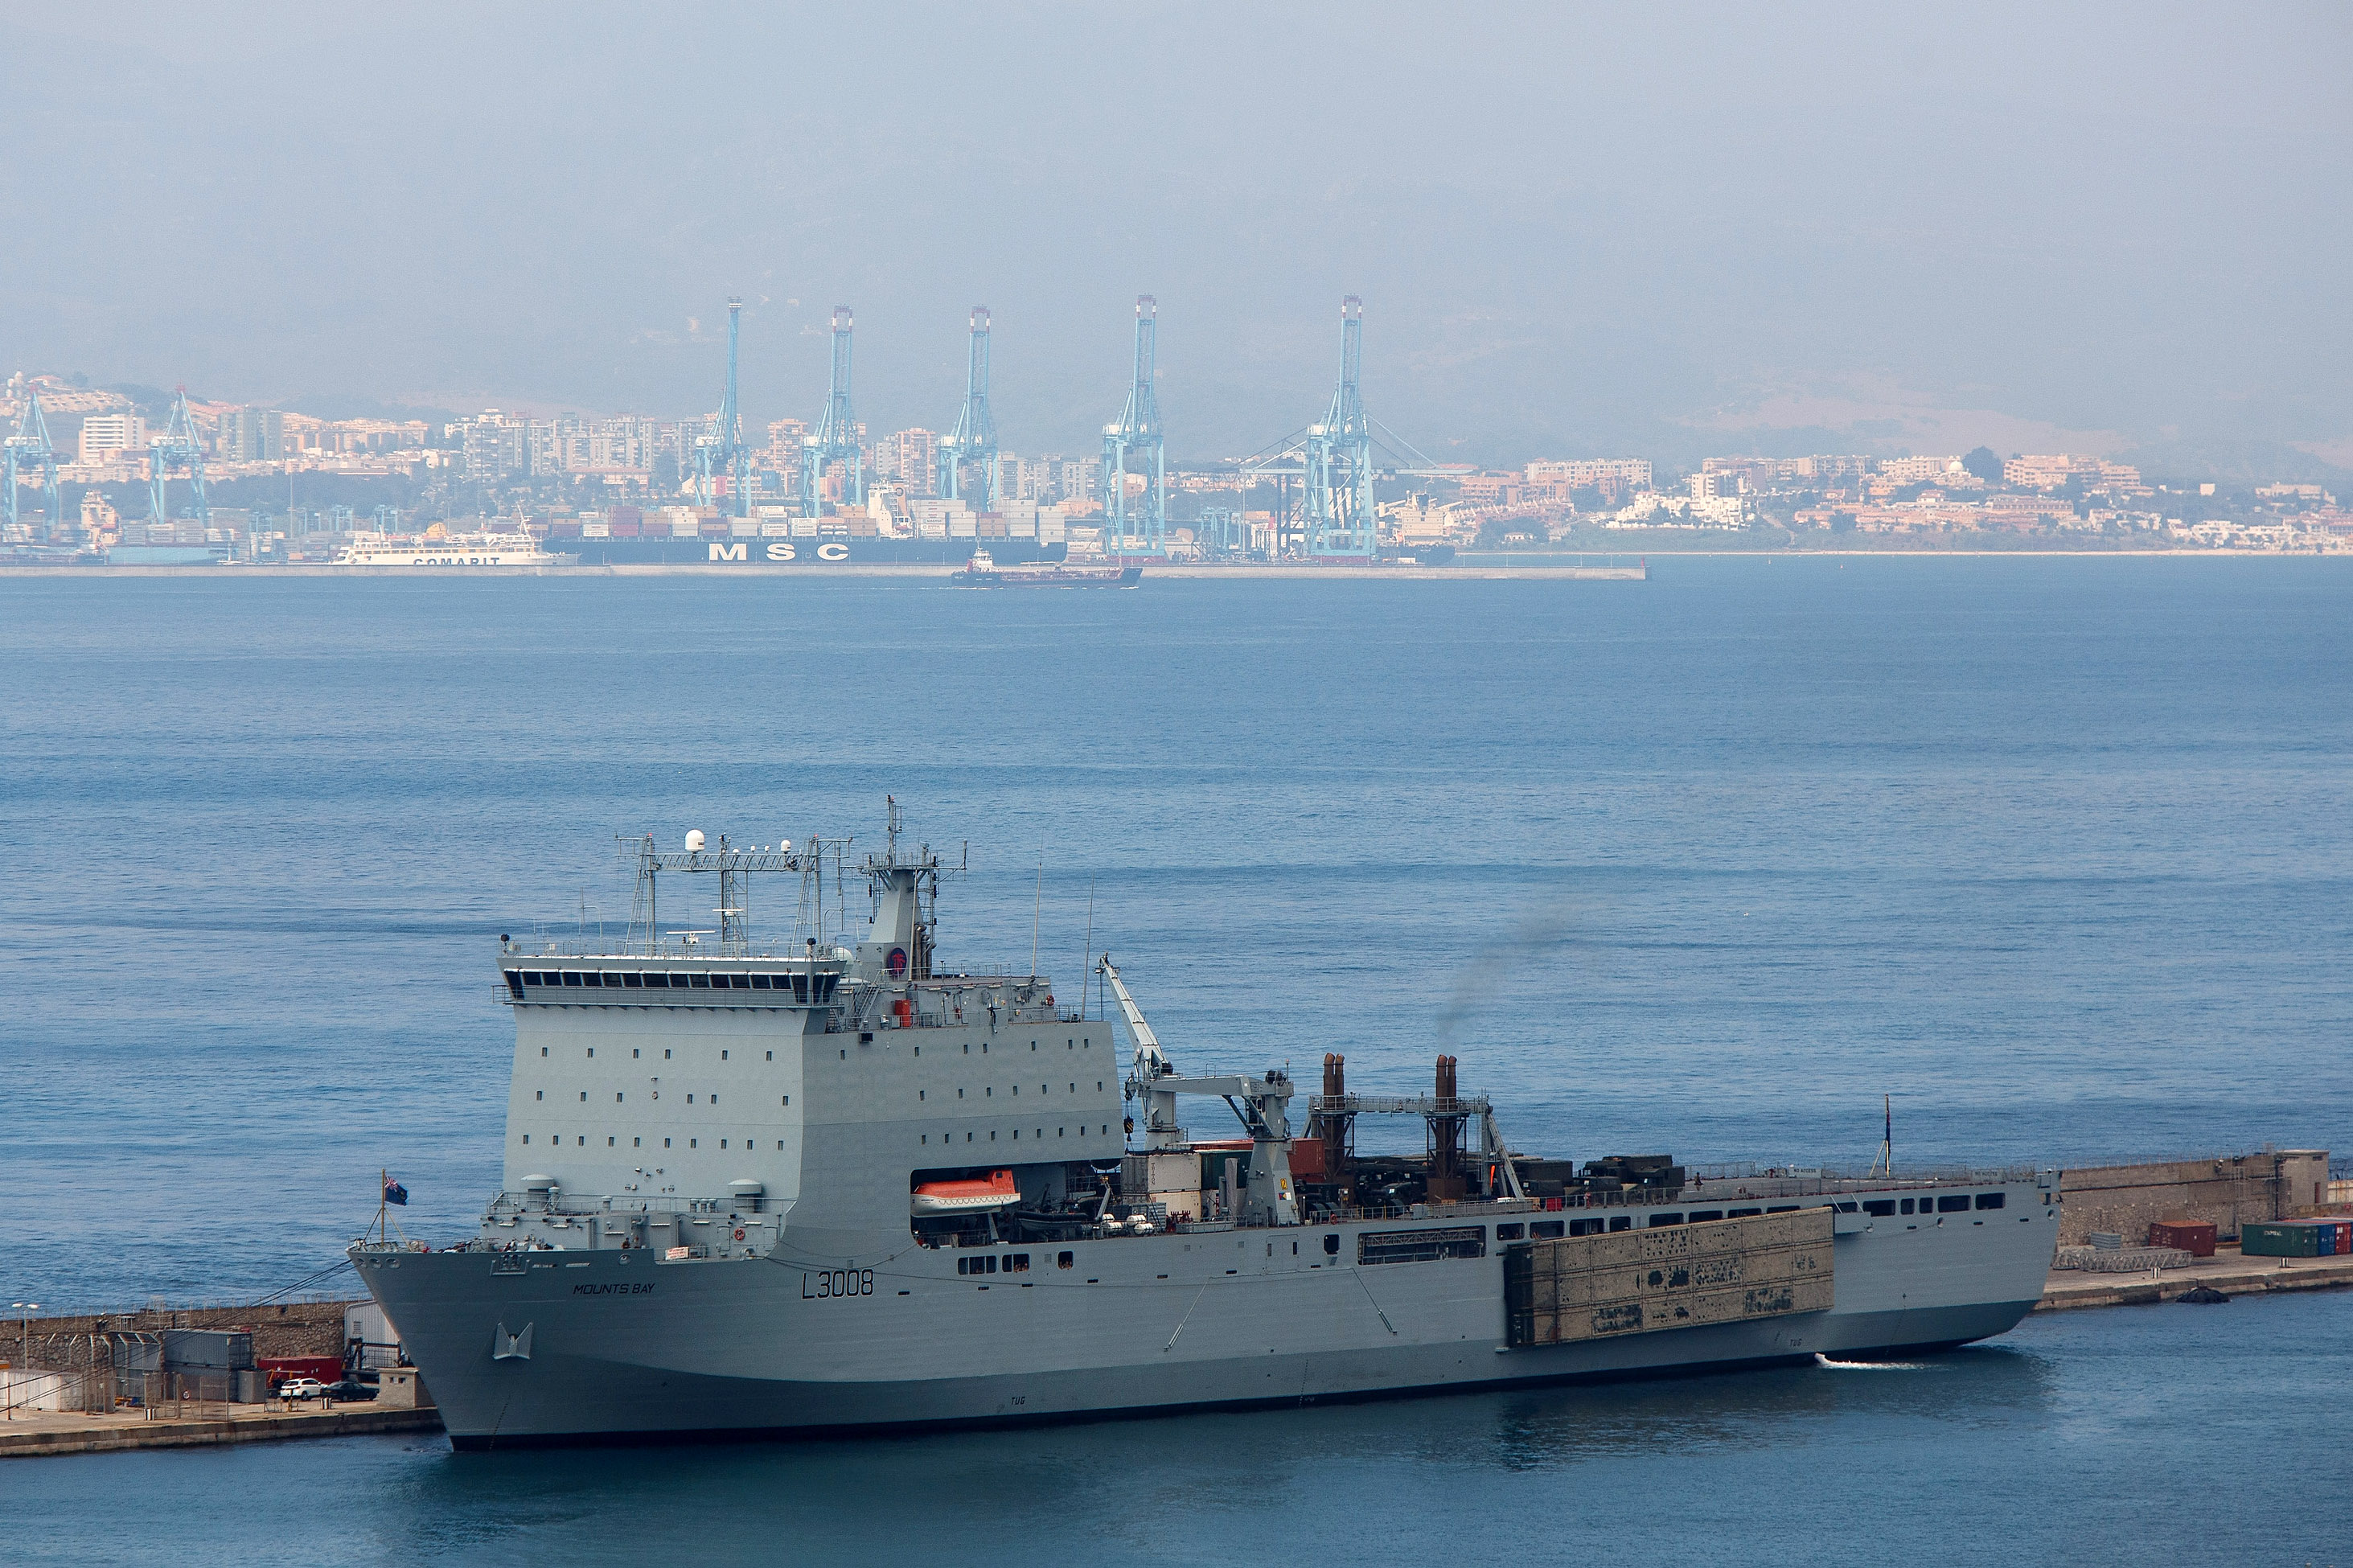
(694, 841)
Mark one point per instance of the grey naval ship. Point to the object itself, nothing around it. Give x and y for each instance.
(827, 1185)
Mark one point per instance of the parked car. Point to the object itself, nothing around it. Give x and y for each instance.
(295, 1388)
(351, 1388)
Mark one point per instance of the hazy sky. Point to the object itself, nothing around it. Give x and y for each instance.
(1657, 231)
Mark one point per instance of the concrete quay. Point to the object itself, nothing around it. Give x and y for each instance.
(34, 1433)
(2068, 1289)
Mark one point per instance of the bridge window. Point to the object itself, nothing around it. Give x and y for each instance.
(1743, 1214)
(1507, 1233)
(633, 979)
(760, 982)
(1660, 1219)
(1700, 1216)
(1882, 1206)
(1990, 1200)
(1956, 1203)
(1907, 1206)
(571, 977)
(1540, 1229)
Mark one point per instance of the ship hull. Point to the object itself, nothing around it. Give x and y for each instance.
(1051, 577)
(809, 552)
(872, 1334)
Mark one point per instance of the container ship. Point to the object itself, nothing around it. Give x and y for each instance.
(830, 1185)
(809, 551)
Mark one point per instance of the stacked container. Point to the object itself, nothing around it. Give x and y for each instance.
(2296, 1238)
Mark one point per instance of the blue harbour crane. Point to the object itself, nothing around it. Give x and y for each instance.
(179, 444)
(1144, 531)
(835, 440)
(1334, 461)
(31, 447)
(973, 439)
(1338, 498)
(720, 448)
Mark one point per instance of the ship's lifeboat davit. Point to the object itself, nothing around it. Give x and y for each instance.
(967, 1197)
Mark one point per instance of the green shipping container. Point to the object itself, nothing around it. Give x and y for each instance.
(2281, 1238)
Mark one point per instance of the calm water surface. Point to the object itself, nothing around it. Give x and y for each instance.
(2057, 853)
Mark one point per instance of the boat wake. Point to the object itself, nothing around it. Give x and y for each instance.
(1823, 1361)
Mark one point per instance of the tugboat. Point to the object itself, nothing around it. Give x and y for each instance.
(825, 1183)
(983, 571)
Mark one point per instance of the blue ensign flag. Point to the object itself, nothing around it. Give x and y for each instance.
(394, 1193)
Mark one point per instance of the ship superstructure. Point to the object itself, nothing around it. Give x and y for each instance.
(826, 1185)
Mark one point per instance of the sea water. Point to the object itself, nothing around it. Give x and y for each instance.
(2053, 854)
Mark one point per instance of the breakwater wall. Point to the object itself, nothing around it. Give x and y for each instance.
(2224, 1190)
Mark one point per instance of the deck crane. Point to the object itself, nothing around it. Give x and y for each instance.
(31, 447)
(1261, 1104)
(720, 448)
(973, 439)
(177, 444)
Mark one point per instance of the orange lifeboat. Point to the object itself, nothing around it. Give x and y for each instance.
(967, 1197)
